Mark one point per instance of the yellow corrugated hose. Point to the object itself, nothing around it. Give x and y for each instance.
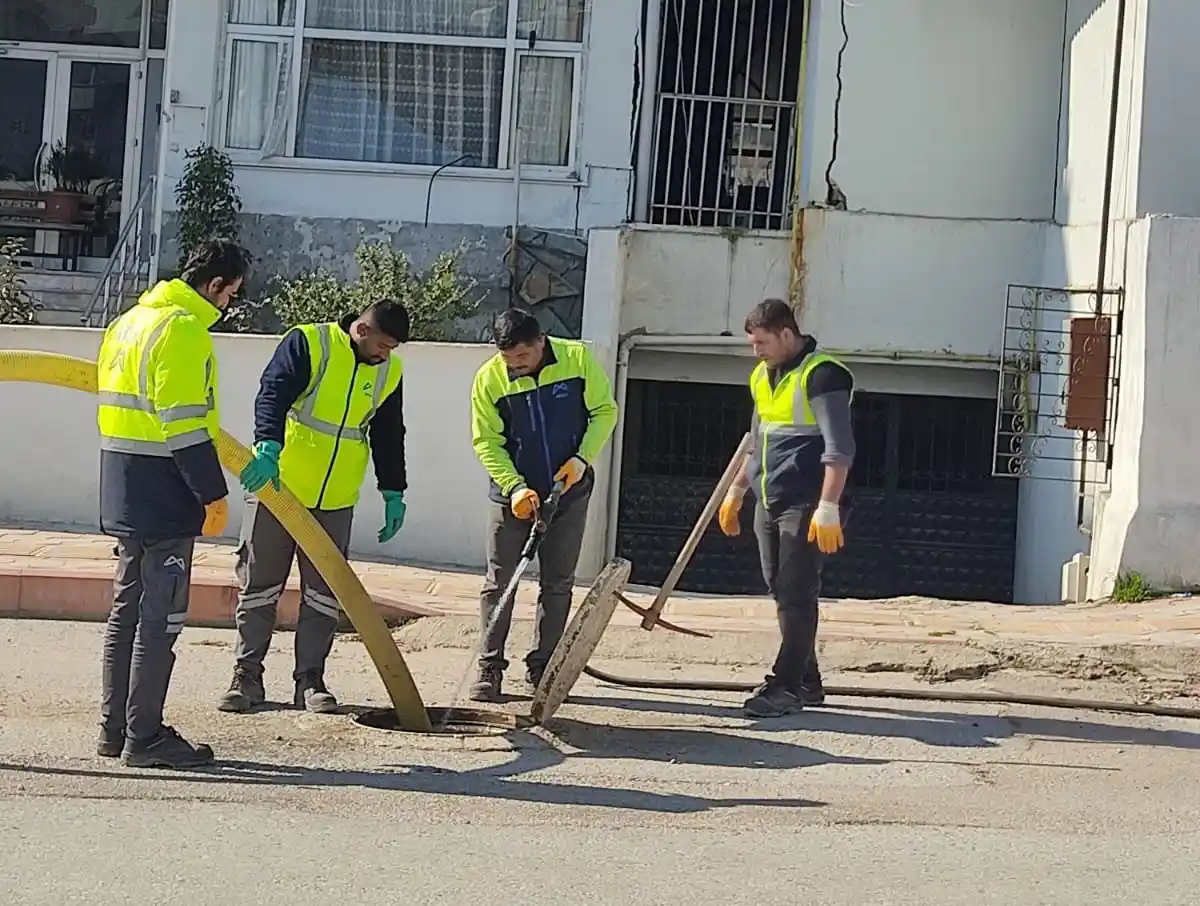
(80, 374)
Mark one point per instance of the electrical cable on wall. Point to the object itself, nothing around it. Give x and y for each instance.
(834, 197)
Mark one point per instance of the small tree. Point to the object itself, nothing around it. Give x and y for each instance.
(208, 200)
(435, 301)
(16, 305)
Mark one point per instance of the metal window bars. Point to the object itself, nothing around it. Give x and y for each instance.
(724, 140)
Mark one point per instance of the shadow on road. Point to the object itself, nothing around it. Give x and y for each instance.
(533, 754)
(427, 780)
(935, 728)
(690, 746)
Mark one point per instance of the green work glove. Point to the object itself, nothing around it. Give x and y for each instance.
(263, 467)
(393, 515)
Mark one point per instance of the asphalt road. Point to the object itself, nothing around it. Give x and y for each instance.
(627, 798)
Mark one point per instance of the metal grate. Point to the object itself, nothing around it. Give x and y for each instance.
(1059, 383)
(725, 125)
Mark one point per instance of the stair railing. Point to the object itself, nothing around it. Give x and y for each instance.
(128, 270)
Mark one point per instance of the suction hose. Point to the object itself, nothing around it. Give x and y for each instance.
(929, 695)
(80, 374)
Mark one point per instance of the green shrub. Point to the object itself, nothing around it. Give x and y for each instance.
(16, 305)
(435, 300)
(208, 200)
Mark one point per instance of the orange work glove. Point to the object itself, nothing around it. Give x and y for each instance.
(571, 473)
(731, 510)
(825, 530)
(525, 503)
(216, 517)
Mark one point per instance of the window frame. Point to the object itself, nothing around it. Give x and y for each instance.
(515, 48)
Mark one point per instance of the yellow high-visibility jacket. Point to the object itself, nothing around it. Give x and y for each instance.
(158, 417)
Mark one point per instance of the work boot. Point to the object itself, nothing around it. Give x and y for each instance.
(311, 695)
(486, 687)
(533, 677)
(166, 750)
(109, 744)
(245, 692)
(772, 700)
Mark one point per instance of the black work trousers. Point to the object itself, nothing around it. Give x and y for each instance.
(557, 558)
(791, 567)
(150, 603)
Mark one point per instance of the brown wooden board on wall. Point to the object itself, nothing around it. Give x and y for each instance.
(1088, 379)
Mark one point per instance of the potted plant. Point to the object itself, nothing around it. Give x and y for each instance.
(72, 168)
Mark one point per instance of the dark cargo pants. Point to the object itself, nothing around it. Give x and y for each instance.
(264, 563)
(150, 601)
(791, 567)
(557, 558)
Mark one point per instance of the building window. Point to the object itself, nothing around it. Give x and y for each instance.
(474, 83)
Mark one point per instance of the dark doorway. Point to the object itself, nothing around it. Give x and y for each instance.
(924, 514)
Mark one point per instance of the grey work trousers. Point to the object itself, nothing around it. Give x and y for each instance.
(557, 559)
(264, 562)
(791, 567)
(150, 601)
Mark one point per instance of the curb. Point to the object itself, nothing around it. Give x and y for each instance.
(29, 591)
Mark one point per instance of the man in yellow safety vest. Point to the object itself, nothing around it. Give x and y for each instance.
(802, 453)
(161, 486)
(329, 401)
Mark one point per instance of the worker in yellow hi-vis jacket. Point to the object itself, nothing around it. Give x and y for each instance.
(161, 486)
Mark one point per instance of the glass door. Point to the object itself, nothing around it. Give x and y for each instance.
(92, 122)
(26, 128)
(55, 102)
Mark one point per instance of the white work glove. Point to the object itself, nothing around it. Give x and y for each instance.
(825, 529)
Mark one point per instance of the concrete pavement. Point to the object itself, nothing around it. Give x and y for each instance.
(629, 797)
(60, 574)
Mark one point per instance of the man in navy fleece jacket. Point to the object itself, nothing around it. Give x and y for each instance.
(330, 400)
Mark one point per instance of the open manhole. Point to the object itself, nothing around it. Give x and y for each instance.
(449, 721)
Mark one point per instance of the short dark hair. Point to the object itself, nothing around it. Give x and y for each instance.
(515, 327)
(391, 317)
(216, 259)
(772, 315)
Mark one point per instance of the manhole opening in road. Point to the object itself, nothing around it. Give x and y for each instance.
(449, 721)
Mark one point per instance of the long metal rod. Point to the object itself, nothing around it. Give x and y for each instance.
(648, 109)
(693, 539)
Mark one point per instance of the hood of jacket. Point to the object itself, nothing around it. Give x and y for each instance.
(177, 294)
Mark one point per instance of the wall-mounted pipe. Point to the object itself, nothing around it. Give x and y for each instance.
(1105, 215)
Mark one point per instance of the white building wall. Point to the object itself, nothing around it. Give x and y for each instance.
(949, 107)
(598, 196)
(51, 452)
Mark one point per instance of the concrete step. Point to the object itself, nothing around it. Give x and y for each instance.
(49, 317)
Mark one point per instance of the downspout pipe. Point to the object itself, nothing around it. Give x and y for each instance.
(717, 343)
(1105, 215)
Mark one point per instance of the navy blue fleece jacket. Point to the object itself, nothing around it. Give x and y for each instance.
(286, 377)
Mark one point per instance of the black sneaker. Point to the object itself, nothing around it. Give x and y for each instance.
(110, 744)
(812, 694)
(311, 695)
(486, 687)
(772, 701)
(167, 750)
(245, 692)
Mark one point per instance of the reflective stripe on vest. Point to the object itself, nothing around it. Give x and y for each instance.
(148, 420)
(325, 460)
(784, 410)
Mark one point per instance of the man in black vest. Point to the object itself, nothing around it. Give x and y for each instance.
(803, 447)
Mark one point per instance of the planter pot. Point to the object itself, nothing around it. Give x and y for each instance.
(62, 207)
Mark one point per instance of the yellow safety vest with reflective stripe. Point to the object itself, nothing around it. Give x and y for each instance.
(325, 450)
(157, 374)
(788, 446)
